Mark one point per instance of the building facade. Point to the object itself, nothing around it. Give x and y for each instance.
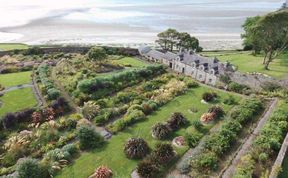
(206, 70)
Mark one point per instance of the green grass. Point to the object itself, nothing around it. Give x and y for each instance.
(112, 154)
(12, 46)
(131, 62)
(17, 100)
(246, 62)
(13, 79)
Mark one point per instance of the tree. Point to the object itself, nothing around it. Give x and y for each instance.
(97, 54)
(168, 39)
(270, 33)
(186, 41)
(248, 41)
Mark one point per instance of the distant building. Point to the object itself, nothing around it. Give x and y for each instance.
(206, 70)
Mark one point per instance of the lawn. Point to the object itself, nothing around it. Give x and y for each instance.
(112, 154)
(14, 79)
(130, 61)
(246, 62)
(12, 46)
(17, 100)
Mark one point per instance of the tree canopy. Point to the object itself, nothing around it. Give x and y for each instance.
(171, 39)
(268, 33)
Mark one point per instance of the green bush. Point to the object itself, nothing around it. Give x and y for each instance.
(89, 138)
(238, 88)
(206, 161)
(192, 139)
(53, 94)
(28, 167)
(230, 100)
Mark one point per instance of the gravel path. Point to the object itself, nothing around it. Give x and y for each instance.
(16, 88)
(246, 146)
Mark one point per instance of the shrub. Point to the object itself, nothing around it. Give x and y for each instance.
(160, 131)
(176, 121)
(164, 153)
(207, 117)
(225, 79)
(136, 148)
(9, 120)
(193, 139)
(206, 161)
(230, 100)
(97, 54)
(57, 155)
(70, 148)
(270, 86)
(233, 86)
(28, 168)
(89, 138)
(90, 110)
(53, 94)
(208, 97)
(197, 125)
(102, 172)
(217, 110)
(147, 169)
(246, 167)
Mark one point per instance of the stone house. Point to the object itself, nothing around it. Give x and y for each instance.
(206, 70)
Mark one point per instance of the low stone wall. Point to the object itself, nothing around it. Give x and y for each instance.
(280, 158)
(254, 81)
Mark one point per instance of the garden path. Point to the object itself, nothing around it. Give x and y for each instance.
(190, 153)
(229, 172)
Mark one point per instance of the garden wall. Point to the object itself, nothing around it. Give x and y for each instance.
(280, 158)
(254, 81)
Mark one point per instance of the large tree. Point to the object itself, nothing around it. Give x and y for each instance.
(168, 39)
(270, 34)
(248, 41)
(186, 41)
(172, 39)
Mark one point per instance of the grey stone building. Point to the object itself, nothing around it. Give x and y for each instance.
(206, 70)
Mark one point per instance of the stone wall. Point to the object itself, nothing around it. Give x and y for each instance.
(254, 81)
(280, 158)
(71, 49)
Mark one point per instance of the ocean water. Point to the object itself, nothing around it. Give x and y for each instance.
(116, 21)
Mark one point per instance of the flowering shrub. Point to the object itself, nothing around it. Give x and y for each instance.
(207, 117)
(102, 172)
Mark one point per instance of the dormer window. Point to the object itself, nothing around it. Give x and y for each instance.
(212, 72)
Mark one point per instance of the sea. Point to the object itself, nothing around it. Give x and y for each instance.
(217, 23)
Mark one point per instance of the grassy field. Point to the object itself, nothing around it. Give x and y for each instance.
(17, 100)
(13, 79)
(129, 61)
(112, 154)
(246, 62)
(12, 46)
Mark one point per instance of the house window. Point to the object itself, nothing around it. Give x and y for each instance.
(210, 80)
(212, 72)
(200, 76)
(192, 73)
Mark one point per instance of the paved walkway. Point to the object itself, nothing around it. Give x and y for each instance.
(246, 146)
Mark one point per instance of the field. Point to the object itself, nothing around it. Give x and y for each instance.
(112, 154)
(246, 62)
(17, 100)
(12, 46)
(14, 79)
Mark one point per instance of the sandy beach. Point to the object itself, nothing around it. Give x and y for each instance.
(217, 24)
